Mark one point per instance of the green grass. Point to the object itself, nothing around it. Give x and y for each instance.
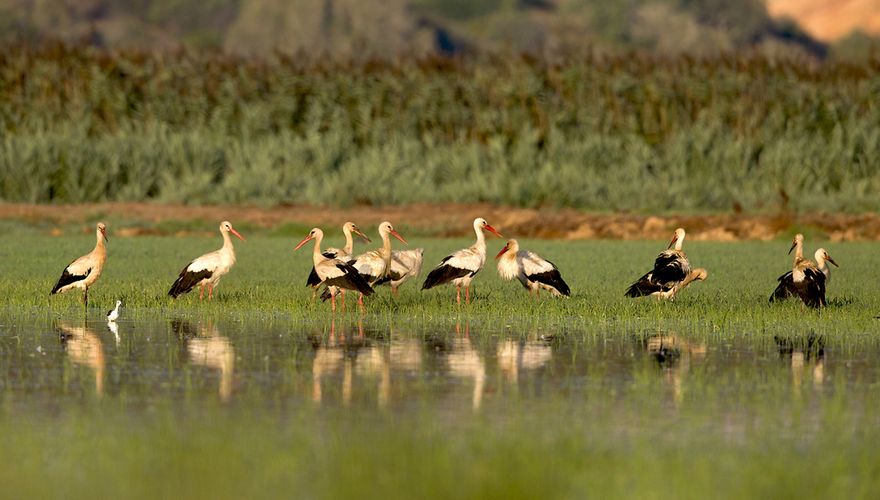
(603, 133)
(601, 419)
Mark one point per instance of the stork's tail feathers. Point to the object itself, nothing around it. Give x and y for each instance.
(187, 281)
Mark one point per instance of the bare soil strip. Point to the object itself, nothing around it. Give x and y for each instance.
(453, 220)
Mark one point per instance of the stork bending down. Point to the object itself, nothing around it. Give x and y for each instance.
(344, 254)
(207, 270)
(671, 273)
(460, 267)
(405, 264)
(531, 270)
(83, 272)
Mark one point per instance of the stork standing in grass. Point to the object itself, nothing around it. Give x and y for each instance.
(405, 264)
(671, 274)
(807, 279)
(461, 267)
(531, 270)
(374, 265)
(344, 254)
(85, 271)
(334, 273)
(207, 270)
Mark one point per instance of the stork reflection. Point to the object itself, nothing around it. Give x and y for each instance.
(674, 355)
(803, 353)
(207, 347)
(84, 348)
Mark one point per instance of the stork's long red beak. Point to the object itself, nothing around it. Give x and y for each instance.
(829, 259)
(398, 236)
(233, 231)
(104, 234)
(303, 242)
(672, 241)
(792, 247)
(493, 231)
(503, 250)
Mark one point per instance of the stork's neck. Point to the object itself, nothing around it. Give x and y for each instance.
(227, 242)
(678, 243)
(316, 252)
(480, 244)
(349, 242)
(798, 251)
(99, 243)
(386, 251)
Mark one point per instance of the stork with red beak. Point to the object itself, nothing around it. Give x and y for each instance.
(531, 270)
(807, 279)
(206, 271)
(334, 273)
(460, 267)
(344, 254)
(85, 271)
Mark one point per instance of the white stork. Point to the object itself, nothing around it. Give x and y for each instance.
(84, 271)
(207, 270)
(671, 274)
(405, 264)
(461, 267)
(344, 254)
(334, 273)
(806, 279)
(373, 265)
(531, 270)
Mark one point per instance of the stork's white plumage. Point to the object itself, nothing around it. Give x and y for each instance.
(533, 271)
(207, 270)
(344, 254)
(84, 271)
(671, 273)
(460, 267)
(334, 273)
(405, 264)
(374, 265)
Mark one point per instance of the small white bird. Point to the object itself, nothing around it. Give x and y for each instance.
(113, 314)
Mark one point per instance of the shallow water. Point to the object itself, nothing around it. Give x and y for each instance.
(722, 381)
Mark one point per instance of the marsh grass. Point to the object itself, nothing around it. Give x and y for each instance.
(620, 132)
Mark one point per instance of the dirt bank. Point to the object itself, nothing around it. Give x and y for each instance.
(453, 220)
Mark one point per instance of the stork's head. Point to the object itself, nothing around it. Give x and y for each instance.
(314, 234)
(822, 255)
(512, 246)
(798, 240)
(386, 228)
(226, 227)
(351, 227)
(102, 229)
(677, 239)
(118, 303)
(480, 224)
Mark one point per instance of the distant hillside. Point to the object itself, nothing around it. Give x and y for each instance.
(388, 28)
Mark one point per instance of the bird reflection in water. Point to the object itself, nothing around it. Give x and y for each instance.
(352, 354)
(801, 353)
(84, 348)
(465, 362)
(674, 355)
(515, 355)
(207, 347)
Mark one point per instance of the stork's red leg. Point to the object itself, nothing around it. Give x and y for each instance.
(458, 294)
(467, 294)
(201, 292)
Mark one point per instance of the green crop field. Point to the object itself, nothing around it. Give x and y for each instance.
(616, 132)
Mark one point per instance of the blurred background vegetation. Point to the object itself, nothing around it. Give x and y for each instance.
(671, 105)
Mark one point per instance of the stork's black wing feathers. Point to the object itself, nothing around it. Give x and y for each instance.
(785, 288)
(645, 285)
(444, 273)
(813, 293)
(552, 278)
(67, 279)
(389, 277)
(668, 268)
(313, 280)
(188, 280)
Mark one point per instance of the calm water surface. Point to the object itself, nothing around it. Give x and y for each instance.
(720, 381)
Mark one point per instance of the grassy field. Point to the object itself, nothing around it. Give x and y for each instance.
(601, 419)
(622, 132)
(270, 277)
